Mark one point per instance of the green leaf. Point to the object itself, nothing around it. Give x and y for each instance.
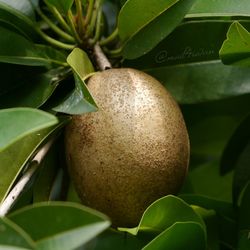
(80, 63)
(23, 6)
(60, 225)
(135, 23)
(79, 101)
(22, 150)
(25, 86)
(62, 5)
(19, 122)
(208, 8)
(13, 237)
(190, 68)
(200, 82)
(181, 235)
(236, 48)
(16, 19)
(16, 49)
(163, 213)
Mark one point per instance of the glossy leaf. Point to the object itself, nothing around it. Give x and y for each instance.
(13, 237)
(180, 47)
(23, 6)
(79, 101)
(190, 68)
(235, 146)
(22, 150)
(19, 122)
(236, 48)
(62, 5)
(16, 49)
(163, 213)
(208, 8)
(27, 87)
(200, 82)
(16, 19)
(80, 63)
(135, 23)
(60, 225)
(181, 235)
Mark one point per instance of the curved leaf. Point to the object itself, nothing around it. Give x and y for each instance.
(79, 101)
(208, 8)
(17, 19)
(60, 225)
(236, 48)
(22, 150)
(19, 122)
(23, 6)
(13, 237)
(80, 63)
(16, 49)
(181, 235)
(200, 82)
(190, 68)
(135, 23)
(26, 87)
(163, 213)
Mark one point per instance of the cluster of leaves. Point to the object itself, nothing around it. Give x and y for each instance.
(46, 55)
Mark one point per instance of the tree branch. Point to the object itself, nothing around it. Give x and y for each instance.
(19, 187)
(101, 59)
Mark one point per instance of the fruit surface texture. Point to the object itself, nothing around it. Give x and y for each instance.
(132, 151)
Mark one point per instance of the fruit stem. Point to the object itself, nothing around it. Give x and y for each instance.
(101, 59)
(21, 184)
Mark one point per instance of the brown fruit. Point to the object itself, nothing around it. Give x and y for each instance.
(132, 151)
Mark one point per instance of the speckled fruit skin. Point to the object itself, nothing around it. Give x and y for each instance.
(132, 151)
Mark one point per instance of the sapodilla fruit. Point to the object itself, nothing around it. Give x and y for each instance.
(132, 151)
